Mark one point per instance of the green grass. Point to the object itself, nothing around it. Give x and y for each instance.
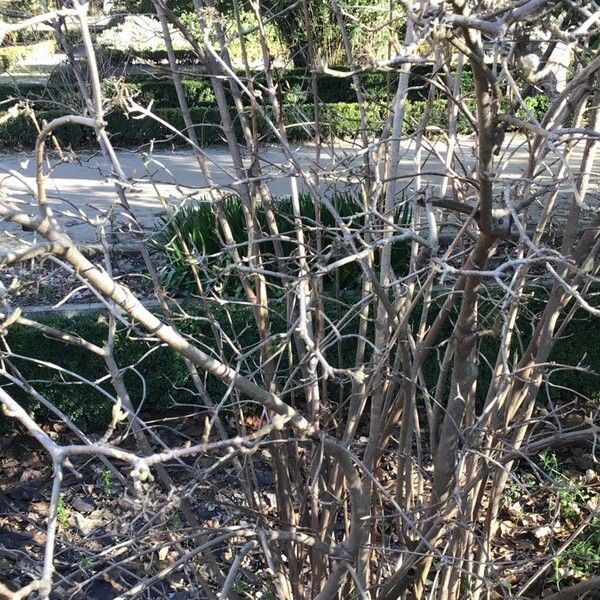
(62, 513)
(107, 482)
(581, 559)
(569, 496)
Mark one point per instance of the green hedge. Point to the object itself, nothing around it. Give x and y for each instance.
(156, 56)
(28, 35)
(167, 380)
(293, 85)
(20, 131)
(340, 120)
(24, 91)
(161, 369)
(162, 91)
(376, 86)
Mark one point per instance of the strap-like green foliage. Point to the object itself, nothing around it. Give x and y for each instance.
(191, 237)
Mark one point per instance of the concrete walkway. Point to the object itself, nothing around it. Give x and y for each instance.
(85, 185)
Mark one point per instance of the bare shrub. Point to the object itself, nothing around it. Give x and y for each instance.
(360, 423)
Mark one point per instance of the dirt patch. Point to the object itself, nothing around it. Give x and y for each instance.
(110, 537)
(45, 282)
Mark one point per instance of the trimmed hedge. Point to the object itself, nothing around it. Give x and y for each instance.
(340, 120)
(155, 56)
(24, 91)
(162, 91)
(167, 379)
(293, 85)
(20, 131)
(88, 407)
(28, 35)
(377, 86)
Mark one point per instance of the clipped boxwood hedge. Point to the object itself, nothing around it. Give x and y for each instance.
(293, 85)
(33, 92)
(340, 120)
(156, 56)
(11, 55)
(377, 86)
(20, 132)
(161, 369)
(167, 379)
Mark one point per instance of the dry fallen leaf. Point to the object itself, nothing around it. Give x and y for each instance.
(252, 422)
(163, 553)
(593, 503)
(542, 532)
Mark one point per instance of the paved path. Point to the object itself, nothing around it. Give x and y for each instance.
(86, 184)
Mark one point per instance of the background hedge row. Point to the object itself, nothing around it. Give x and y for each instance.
(339, 119)
(292, 85)
(11, 55)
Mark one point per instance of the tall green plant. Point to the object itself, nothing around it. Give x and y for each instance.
(191, 238)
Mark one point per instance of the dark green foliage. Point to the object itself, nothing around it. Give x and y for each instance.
(167, 379)
(78, 401)
(162, 91)
(28, 35)
(293, 86)
(163, 371)
(191, 238)
(538, 105)
(376, 85)
(340, 120)
(34, 92)
(20, 132)
(127, 131)
(156, 56)
(578, 346)
(340, 114)
(17, 132)
(572, 349)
